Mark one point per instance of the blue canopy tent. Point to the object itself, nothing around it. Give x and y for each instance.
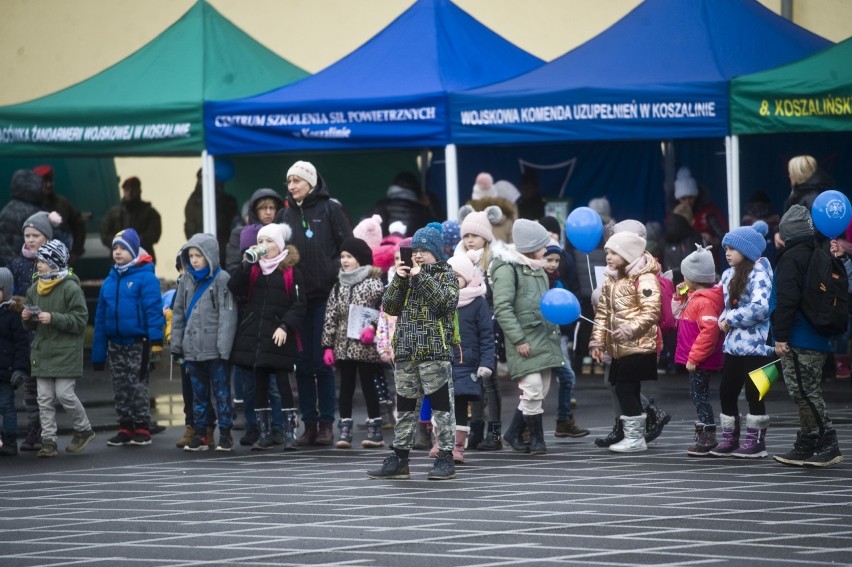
(389, 93)
(660, 73)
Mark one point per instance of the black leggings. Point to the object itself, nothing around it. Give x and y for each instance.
(461, 409)
(734, 377)
(282, 379)
(367, 372)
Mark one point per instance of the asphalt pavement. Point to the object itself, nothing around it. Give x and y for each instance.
(577, 505)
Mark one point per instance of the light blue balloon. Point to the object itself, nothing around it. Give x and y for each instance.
(584, 229)
(831, 212)
(560, 306)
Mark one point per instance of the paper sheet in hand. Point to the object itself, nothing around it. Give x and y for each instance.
(359, 318)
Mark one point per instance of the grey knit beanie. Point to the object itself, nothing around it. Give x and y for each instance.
(796, 222)
(529, 236)
(699, 266)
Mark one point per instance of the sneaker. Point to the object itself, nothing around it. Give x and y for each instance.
(826, 452)
(226, 444)
(79, 441)
(48, 448)
(211, 437)
(444, 468)
(393, 468)
(803, 449)
(198, 443)
(141, 437)
(121, 438)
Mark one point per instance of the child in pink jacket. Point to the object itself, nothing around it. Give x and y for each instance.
(699, 342)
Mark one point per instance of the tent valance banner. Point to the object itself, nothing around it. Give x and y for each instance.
(810, 95)
(151, 102)
(391, 92)
(661, 72)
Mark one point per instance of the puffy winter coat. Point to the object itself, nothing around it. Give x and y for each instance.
(631, 302)
(366, 293)
(25, 201)
(208, 332)
(518, 290)
(425, 306)
(699, 339)
(789, 323)
(328, 227)
(136, 214)
(129, 308)
(477, 347)
(749, 316)
(269, 302)
(24, 272)
(14, 340)
(57, 349)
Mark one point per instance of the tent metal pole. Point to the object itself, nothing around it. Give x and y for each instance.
(208, 193)
(452, 172)
(734, 199)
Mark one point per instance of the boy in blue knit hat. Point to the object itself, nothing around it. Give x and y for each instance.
(424, 297)
(128, 326)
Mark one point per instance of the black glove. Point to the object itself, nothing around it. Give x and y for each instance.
(18, 377)
(98, 366)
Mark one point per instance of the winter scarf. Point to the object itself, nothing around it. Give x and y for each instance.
(354, 277)
(268, 265)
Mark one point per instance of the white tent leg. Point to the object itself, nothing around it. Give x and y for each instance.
(452, 172)
(208, 192)
(732, 166)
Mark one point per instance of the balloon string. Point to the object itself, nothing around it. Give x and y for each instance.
(589, 266)
(595, 323)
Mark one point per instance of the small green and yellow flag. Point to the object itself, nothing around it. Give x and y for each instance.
(764, 376)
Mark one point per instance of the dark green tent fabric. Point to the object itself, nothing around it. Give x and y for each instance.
(810, 95)
(151, 102)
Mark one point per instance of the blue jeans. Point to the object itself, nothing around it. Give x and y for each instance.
(7, 408)
(247, 378)
(314, 380)
(206, 376)
(566, 379)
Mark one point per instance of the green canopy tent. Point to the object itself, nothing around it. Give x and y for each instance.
(813, 94)
(150, 103)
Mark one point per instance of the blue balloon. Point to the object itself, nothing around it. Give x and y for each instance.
(831, 212)
(584, 229)
(560, 306)
(224, 170)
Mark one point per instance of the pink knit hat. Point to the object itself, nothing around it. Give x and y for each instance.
(484, 187)
(479, 223)
(370, 231)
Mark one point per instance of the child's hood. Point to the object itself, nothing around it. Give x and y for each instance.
(713, 294)
(209, 247)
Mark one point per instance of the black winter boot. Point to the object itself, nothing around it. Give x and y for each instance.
(492, 440)
(394, 467)
(803, 449)
(614, 436)
(514, 434)
(264, 426)
(10, 445)
(827, 451)
(537, 446)
(477, 429)
(656, 420)
(291, 424)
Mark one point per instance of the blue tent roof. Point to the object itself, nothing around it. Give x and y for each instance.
(660, 72)
(390, 92)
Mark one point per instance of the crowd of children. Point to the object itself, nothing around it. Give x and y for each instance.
(442, 311)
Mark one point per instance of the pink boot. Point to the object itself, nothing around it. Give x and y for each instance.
(461, 440)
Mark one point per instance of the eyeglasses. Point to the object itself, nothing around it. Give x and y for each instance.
(420, 252)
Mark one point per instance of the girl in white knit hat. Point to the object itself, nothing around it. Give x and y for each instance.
(626, 320)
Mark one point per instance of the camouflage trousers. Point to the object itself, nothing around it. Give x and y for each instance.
(129, 367)
(211, 377)
(805, 389)
(414, 381)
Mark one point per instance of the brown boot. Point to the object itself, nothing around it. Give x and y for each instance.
(568, 428)
(188, 434)
(325, 434)
(309, 436)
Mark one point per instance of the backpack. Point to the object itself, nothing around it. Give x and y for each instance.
(667, 322)
(825, 295)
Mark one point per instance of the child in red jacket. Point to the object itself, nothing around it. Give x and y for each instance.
(699, 343)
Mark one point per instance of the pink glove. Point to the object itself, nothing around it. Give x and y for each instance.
(367, 335)
(328, 357)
